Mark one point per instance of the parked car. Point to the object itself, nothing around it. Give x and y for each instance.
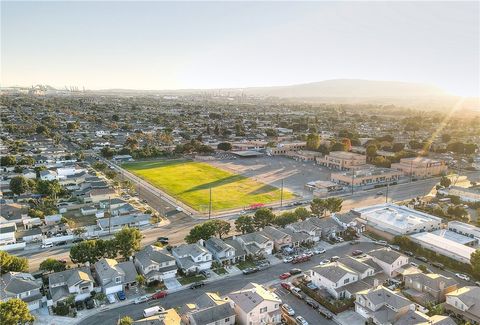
(308, 253)
(159, 295)
(462, 276)
(394, 247)
(477, 283)
(197, 285)
(325, 261)
(286, 285)
(300, 320)
(439, 265)
(319, 251)
(121, 295)
(62, 260)
(288, 310)
(421, 258)
(312, 303)
(77, 240)
(249, 270)
(380, 193)
(334, 258)
(111, 298)
(47, 245)
(381, 242)
(295, 271)
(413, 264)
(312, 286)
(325, 313)
(284, 276)
(301, 259)
(141, 299)
(205, 273)
(79, 305)
(297, 292)
(357, 252)
(408, 253)
(353, 242)
(287, 259)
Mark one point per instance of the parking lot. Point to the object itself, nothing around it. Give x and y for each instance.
(272, 170)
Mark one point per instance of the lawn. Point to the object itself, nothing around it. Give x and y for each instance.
(191, 182)
(191, 279)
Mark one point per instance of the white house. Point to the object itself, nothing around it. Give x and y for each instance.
(155, 264)
(389, 260)
(78, 282)
(333, 277)
(255, 305)
(192, 258)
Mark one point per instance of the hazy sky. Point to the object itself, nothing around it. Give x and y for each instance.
(159, 45)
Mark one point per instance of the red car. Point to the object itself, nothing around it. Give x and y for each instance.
(159, 295)
(285, 285)
(301, 259)
(284, 276)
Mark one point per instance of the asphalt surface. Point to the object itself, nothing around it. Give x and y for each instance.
(268, 277)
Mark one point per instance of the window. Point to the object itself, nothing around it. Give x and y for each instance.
(227, 319)
(118, 279)
(263, 310)
(346, 281)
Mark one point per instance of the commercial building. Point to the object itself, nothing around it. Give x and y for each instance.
(444, 246)
(456, 237)
(420, 167)
(471, 194)
(396, 219)
(342, 160)
(464, 229)
(286, 148)
(370, 175)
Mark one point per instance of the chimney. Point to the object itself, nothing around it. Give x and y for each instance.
(375, 283)
(201, 242)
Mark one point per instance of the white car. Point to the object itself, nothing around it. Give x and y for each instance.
(413, 264)
(301, 321)
(319, 251)
(287, 259)
(324, 262)
(288, 310)
(179, 209)
(47, 245)
(462, 276)
(141, 299)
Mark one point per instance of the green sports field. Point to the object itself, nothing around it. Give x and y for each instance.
(190, 182)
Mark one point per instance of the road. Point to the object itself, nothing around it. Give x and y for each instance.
(269, 277)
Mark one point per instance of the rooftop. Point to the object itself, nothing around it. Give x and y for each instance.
(444, 243)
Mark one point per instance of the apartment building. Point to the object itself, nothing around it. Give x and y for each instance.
(343, 160)
(420, 167)
(370, 175)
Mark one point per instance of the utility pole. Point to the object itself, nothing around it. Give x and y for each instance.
(386, 195)
(210, 205)
(281, 195)
(353, 178)
(411, 171)
(109, 215)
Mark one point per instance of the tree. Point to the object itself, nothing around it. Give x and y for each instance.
(85, 251)
(79, 231)
(334, 204)
(381, 162)
(100, 297)
(140, 279)
(244, 224)
(313, 141)
(126, 320)
(51, 264)
(445, 181)
(49, 188)
(263, 217)
(107, 152)
(338, 146)
(19, 185)
(302, 213)
(27, 161)
(8, 160)
(203, 231)
(285, 218)
(423, 268)
(11, 263)
(475, 262)
(128, 240)
(457, 211)
(15, 311)
(371, 150)
(222, 227)
(318, 206)
(225, 146)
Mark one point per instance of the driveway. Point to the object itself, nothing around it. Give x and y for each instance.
(350, 317)
(172, 283)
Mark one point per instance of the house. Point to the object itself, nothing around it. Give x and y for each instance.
(99, 194)
(382, 305)
(389, 260)
(255, 305)
(221, 251)
(256, 244)
(113, 276)
(209, 309)
(429, 287)
(48, 175)
(240, 252)
(22, 286)
(78, 282)
(53, 219)
(118, 222)
(30, 235)
(155, 264)
(13, 212)
(168, 317)
(465, 303)
(7, 233)
(192, 258)
(279, 237)
(307, 227)
(416, 317)
(332, 277)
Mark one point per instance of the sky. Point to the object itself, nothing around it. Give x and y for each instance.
(173, 45)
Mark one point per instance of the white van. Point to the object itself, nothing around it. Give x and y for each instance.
(152, 311)
(47, 245)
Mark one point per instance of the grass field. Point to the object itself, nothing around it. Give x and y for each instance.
(190, 182)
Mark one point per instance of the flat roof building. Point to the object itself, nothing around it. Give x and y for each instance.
(456, 237)
(370, 175)
(444, 246)
(464, 229)
(396, 219)
(342, 160)
(420, 166)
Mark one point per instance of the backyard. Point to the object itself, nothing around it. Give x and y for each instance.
(191, 182)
